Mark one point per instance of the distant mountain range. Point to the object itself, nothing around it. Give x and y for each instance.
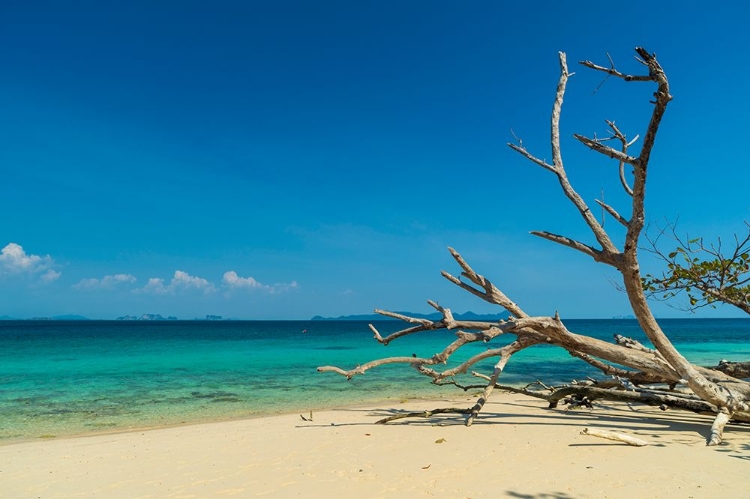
(468, 316)
(144, 317)
(54, 318)
(159, 317)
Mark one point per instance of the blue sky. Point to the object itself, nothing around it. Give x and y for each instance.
(279, 160)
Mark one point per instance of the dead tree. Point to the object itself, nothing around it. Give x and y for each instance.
(707, 390)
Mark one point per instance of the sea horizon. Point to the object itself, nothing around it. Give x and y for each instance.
(351, 318)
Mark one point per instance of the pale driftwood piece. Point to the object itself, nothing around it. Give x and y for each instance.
(618, 437)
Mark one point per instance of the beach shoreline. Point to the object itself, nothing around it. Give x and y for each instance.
(384, 401)
(68, 379)
(516, 448)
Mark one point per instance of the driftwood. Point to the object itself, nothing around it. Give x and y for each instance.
(619, 437)
(707, 390)
(424, 414)
(735, 369)
(586, 394)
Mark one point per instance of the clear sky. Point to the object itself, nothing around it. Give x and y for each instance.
(285, 159)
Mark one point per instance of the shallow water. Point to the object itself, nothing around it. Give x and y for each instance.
(68, 377)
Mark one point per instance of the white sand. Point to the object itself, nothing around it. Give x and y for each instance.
(516, 449)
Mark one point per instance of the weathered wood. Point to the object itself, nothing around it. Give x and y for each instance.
(425, 414)
(717, 428)
(734, 369)
(655, 397)
(618, 437)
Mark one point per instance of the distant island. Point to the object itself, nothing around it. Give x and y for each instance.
(146, 317)
(468, 316)
(159, 317)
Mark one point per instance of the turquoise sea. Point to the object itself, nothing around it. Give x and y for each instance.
(60, 378)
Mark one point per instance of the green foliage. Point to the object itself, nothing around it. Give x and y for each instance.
(705, 274)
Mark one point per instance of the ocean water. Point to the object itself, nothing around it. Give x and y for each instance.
(61, 378)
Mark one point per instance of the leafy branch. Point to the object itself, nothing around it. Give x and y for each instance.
(705, 273)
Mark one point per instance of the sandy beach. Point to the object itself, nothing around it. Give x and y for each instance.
(517, 448)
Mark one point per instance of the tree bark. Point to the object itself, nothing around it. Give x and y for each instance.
(737, 370)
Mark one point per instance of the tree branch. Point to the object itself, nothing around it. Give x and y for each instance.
(613, 72)
(522, 151)
(571, 243)
(613, 212)
(597, 146)
(490, 292)
(558, 168)
(625, 145)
